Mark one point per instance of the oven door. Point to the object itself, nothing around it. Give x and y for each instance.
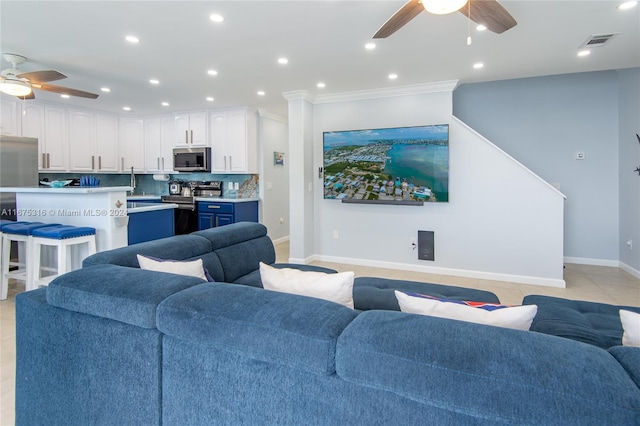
(186, 219)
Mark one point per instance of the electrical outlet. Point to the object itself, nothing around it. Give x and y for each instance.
(236, 186)
(579, 155)
(281, 220)
(630, 244)
(413, 243)
(336, 235)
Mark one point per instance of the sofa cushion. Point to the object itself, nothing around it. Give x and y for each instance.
(129, 295)
(589, 322)
(286, 329)
(253, 278)
(516, 317)
(378, 293)
(629, 359)
(496, 374)
(337, 288)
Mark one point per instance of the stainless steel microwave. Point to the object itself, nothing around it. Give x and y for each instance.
(192, 159)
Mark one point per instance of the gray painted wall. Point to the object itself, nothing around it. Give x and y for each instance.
(629, 160)
(544, 122)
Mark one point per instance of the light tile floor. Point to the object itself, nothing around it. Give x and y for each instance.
(584, 282)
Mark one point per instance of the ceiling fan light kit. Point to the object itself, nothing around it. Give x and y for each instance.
(15, 88)
(443, 7)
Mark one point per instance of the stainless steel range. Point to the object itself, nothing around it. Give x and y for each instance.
(186, 215)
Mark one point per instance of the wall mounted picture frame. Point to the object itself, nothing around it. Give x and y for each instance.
(278, 158)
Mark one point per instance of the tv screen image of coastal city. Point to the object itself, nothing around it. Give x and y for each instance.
(396, 165)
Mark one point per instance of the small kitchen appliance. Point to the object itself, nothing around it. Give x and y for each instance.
(211, 188)
(175, 187)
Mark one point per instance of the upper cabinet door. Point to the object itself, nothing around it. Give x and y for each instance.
(132, 144)
(191, 129)
(55, 136)
(152, 144)
(107, 143)
(9, 116)
(219, 154)
(33, 127)
(82, 142)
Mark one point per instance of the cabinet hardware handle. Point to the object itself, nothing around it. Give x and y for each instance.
(192, 136)
(44, 160)
(48, 160)
(213, 207)
(158, 163)
(225, 162)
(121, 163)
(186, 136)
(93, 162)
(230, 162)
(162, 163)
(99, 162)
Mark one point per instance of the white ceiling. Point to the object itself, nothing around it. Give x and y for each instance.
(323, 40)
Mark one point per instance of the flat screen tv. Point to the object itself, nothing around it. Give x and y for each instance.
(400, 165)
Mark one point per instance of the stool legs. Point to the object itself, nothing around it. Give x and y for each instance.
(63, 256)
(23, 272)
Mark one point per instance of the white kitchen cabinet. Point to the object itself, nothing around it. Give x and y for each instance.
(191, 129)
(55, 148)
(82, 143)
(132, 144)
(10, 116)
(107, 143)
(234, 141)
(33, 127)
(159, 142)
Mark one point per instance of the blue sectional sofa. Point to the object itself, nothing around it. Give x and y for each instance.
(112, 344)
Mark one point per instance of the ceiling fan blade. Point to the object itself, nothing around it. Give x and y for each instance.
(489, 13)
(410, 10)
(42, 76)
(64, 90)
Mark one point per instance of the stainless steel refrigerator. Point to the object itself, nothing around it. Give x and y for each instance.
(18, 167)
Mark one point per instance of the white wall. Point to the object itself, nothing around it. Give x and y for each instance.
(629, 160)
(274, 135)
(502, 222)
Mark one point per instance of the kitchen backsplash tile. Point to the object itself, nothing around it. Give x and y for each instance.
(248, 185)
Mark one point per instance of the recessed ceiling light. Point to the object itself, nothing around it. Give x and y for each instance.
(216, 17)
(321, 85)
(212, 72)
(478, 65)
(132, 39)
(105, 89)
(481, 27)
(154, 81)
(627, 5)
(261, 93)
(64, 95)
(370, 46)
(165, 104)
(393, 76)
(283, 61)
(584, 53)
(210, 98)
(126, 108)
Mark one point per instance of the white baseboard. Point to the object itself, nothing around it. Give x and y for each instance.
(630, 270)
(280, 240)
(595, 262)
(521, 279)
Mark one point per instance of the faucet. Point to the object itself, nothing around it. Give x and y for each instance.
(132, 183)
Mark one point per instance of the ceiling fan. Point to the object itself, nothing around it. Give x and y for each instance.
(15, 83)
(489, 13)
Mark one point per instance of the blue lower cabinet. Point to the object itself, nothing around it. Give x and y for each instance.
(153, 225)
(211, 215)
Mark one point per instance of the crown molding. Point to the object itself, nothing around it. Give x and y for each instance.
(298, 95)
(387, 92)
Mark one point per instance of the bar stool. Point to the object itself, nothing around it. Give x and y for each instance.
(63, 237)
(21, 233)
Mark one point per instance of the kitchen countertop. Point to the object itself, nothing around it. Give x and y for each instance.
(225, 200)
(66, 189)
(148, 207)
(142, 197)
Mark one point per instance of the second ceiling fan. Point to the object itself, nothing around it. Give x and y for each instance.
(489, 13)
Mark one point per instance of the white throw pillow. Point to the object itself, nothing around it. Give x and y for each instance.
(517, 317)
(631, 326)
(193, 268)
(336, 288)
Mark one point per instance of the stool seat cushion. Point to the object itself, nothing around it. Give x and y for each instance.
(64, 232)
(26, 228)
(5, 222)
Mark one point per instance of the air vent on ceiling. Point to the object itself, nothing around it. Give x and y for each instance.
(598, 40)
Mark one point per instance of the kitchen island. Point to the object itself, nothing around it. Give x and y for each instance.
(103, 208)
(150, 221)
